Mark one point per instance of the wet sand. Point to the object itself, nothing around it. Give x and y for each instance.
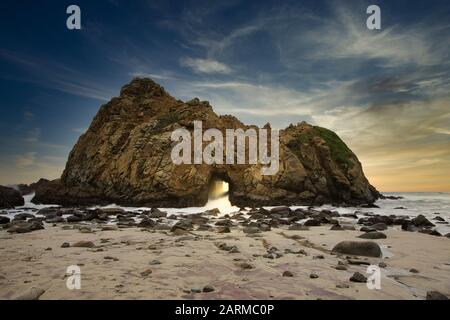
(115, 268)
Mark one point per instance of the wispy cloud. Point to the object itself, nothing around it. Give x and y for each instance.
(346, 37)
(55, 76)
(205, 65)
(26, 160)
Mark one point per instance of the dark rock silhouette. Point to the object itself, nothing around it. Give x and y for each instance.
(10, 198)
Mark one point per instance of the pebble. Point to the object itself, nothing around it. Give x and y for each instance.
(65, 245)
(313, 276)
(111, 258)
(246, 266)
(288, 274)
(146, 272)
(208, 288)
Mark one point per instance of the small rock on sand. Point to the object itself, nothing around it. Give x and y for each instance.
(357, 248)
(83, 244)
(110, 228)
(32, 294)
(111, 258)
(246, 266)
(251, 230)
(358, 277)
(313, 276)
(288, 274)
(146, 272)
(341, 267)
(65, 245)
(208, 288)
(436, 295)
(185, 238)
(373, 235)
(223, 230)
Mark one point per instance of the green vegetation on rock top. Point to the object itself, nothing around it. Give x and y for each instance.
(340, 153)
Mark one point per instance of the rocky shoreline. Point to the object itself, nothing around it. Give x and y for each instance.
(256, 219)
(303, 244)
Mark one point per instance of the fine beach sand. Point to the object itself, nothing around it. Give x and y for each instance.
(194, 261)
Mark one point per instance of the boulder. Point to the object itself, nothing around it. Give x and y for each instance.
(421, 221)
(409, 226)
(431, 232)
(4, 220)
(50, 212)
(23, 216)
(146, 223)
(358, 277)
(20, 226)
(312, 223)
(251, 230)
(83, 244)
(156, 213)
(73, 219)
(379, 226)
(373, 235)
(10, 198)
(358, 248)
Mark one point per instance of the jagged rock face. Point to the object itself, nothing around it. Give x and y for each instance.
(125, 157)
(10, 198)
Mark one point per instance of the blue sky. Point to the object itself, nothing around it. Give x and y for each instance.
(386, 92)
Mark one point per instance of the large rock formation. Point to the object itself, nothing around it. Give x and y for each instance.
(125, 158)
(10, 198)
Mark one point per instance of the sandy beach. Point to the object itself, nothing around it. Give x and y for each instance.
(137, 263)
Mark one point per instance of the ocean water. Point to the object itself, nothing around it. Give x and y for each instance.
(428, 204)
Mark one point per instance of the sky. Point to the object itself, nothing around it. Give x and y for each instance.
(385, 92)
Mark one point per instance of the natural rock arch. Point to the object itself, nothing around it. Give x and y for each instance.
(124, 157)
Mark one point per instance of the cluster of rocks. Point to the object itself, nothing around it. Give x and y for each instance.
(373, 224)
(252, 222)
